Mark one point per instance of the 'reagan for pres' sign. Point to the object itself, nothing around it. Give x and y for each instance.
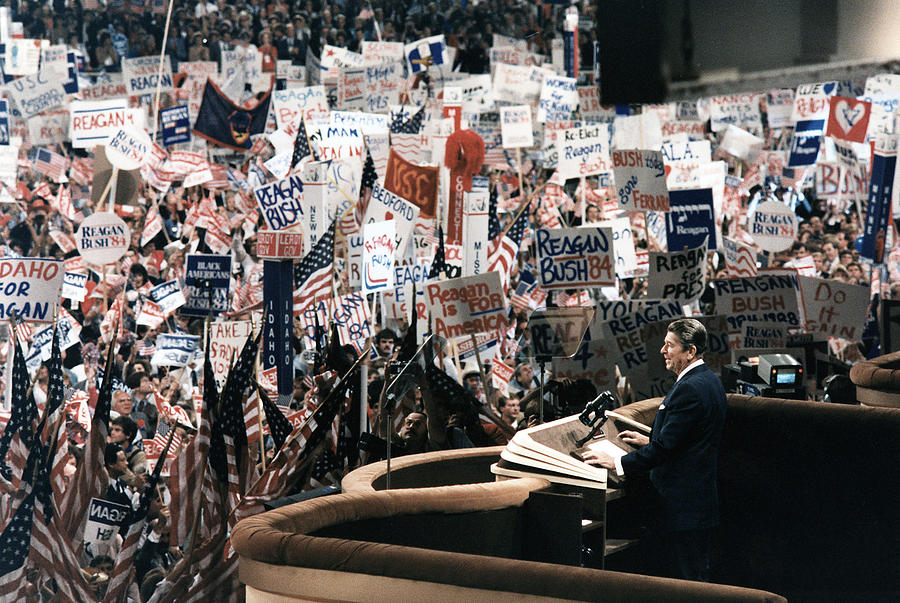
(29, 288)
(575, 257)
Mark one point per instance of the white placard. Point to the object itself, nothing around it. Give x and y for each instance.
(128, 149)
(515, 126)
(379, 247)
(103, 238)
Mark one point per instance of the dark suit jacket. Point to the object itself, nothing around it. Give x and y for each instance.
(682, 455)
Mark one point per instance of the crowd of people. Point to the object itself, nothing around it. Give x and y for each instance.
(478, 413)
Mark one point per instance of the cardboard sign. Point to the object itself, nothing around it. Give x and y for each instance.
(175, 124)
(142, 75)
(773, 226)
(226, 340)
(623, 245)
(37, 93)
(575, 257)
(559, 98)
(350, 313)
(834, 309)
(385, 205)
(174, 350)
(811, 106)
(518, 84)
(279, 245)
(621, 325)
(640, 177)
(103, 238)
(878, 208)
(128, 148)
(678, 276)
(467, 305)
(848, 118)
(769, 299)
(378, 52)
(168, 296)
(379, 246)
(691, 219)
(47, 128)
(104, 520)
(382, 86)
(30, 288)
(73, 286)
(352, 89)
(515, 126)
(207, 278)
(741, 110)
(293, 104)
(740, 259)
(416, 183)
(280, 203)
(583, 151)
(779, 106)
(558, 332)
(92, 123)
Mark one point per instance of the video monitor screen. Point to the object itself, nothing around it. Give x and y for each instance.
(785, 378)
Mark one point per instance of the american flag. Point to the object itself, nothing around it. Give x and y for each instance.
(15, 543)
(439, 263)
(89, 478)
(446, 390)
(369, 179)
(301, 146)
(740, 259)
(172, 414)
(405, 138)
(243, 418)
(279, 426)
(137, 521)
(52, 436)
(502, 251)
(520, 298)
(400, 125)
(18, 437)
(82, 171)
(312, 275)
(52, 165)
(157, 156)
(494, 227)
(42, 190)
(185, 484)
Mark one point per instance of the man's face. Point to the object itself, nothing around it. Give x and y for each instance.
(414, 430)
(386, 346)
(116, 435)
(526, 374)
(146, 385)
(123, 403)
(510, 411)
(120, 466)
(830, 251)
(676, 355)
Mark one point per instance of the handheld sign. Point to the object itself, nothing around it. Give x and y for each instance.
(691, 219)
(280, 203)
(174, 350)
(103, 238)
(226, 339)
(773, 226)
(575, 257)
(207, 279)
(467, 305)
(379, 245)
(640, 180)
(515, 126)
(168, 296)
(767, 300)
(678, 276)
(834, 309)
(385, 205)
(175, 125)
(583, 151)
(104, 520)
(128, 148)
(558, 332)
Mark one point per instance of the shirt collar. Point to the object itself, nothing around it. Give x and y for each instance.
(692, 365)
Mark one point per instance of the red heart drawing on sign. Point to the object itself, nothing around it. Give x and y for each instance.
(388, 215)
(848, 116)
(668, 169)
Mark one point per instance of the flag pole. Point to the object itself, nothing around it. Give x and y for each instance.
(162, 56)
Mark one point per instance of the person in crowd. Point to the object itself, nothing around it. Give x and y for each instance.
(523, 380)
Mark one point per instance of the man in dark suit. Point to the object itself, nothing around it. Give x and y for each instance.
(682, 450)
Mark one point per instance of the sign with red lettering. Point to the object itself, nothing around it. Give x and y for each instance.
(279, 245)
(226, 340)
(379, 246)
(467, 305)
(583, 151)
(640, 177)
(848, 118)
(773, 226)
(418, 184)
(30, 288)
(92, 123)
(103, 238)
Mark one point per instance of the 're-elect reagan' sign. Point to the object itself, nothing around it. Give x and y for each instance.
(103, 238)
(29, 288)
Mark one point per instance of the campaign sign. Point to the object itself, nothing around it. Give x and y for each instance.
(773, 226)
(73, 286)
(557, 332)
(174, 350)
(379, 246)
(679, 276)
(350, 313)
(385, 205)
(834, 309)
(768, 300)
(848, 118)
(102, 238)
(575, 257)
(168, 296)
(207, 278)
(280, 203)
(467, 305)
(104, 520)
(175, 124)
(878, 209)
(226, 340)
(295, 103)
(34, 94)
(92, 123)
(623, 245)
(622, 325)
(416, 183)
(142, 75)
(559, 98)
(741, 110)
(128, 148)
(277, 245)
(640, 177)
(691, 220)
(515, 126)
(811, 106)
(42, 340)
(583, 151)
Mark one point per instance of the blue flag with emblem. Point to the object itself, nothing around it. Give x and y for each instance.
(222, 122)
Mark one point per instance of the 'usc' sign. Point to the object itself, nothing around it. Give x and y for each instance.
(415, 183)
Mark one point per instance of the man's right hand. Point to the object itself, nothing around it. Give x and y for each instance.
(634, 438)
